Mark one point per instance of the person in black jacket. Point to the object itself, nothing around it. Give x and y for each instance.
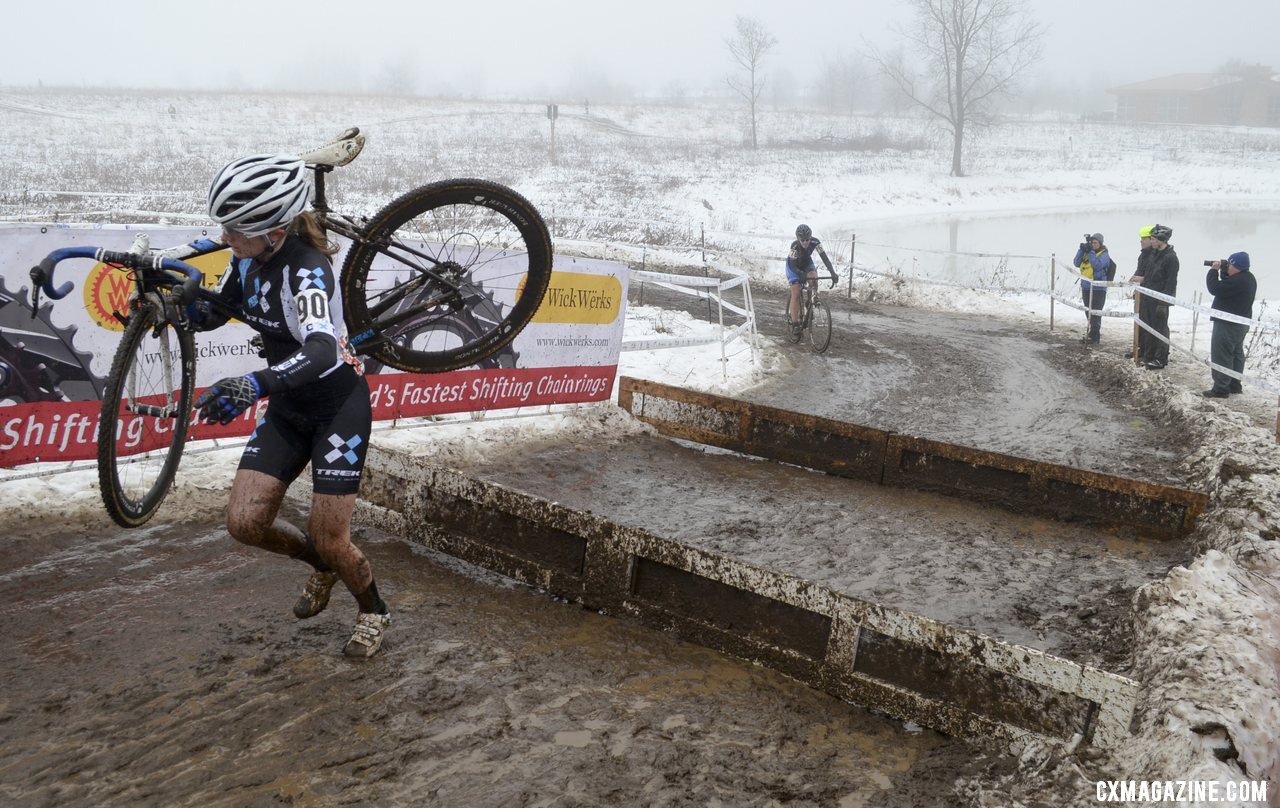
(1233, 288)
(1145, 253)
(1161, 276)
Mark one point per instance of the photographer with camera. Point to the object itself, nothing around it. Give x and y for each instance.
(1095, 265)
(1233, 288)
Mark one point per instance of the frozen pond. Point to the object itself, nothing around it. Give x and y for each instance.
(919, 245)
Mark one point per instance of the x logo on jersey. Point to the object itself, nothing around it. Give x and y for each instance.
(343, 448)
(310, 278)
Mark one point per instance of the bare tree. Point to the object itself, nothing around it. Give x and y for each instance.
(973, 51)
(839, 84)
(750, 44)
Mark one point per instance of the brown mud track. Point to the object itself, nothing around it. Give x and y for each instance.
(161, 666)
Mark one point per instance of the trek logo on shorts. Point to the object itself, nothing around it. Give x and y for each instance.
(343, 448)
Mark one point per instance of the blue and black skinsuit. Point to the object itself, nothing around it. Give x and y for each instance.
(319, 410)
(800, 260)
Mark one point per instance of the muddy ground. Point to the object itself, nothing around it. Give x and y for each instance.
(162, 666)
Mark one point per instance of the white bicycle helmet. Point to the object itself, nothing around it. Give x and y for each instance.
(256, 194)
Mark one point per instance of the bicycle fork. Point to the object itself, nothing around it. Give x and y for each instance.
(170, 409)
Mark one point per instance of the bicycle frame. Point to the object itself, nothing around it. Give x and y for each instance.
(167, 269)
(410, 293)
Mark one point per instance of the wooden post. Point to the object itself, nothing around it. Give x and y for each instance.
(1137, 329)
(1053, 284)
(553, 112)
(1195, 320)
(853, 248)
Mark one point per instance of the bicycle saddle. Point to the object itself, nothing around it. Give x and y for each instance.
(342, 150)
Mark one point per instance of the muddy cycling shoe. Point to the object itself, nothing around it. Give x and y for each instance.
(367, 637)
(315, 595)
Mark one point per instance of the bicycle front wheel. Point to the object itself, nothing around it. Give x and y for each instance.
(146, 409)
(445, 276)
(820, 327)
(793, 334)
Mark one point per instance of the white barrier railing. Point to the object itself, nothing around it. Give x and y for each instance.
(1271, 386)
(706, 288)
(1129, 290)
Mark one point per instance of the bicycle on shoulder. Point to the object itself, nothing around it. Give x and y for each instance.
(443, 277)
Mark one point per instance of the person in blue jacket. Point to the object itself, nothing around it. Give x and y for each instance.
(1095, 265)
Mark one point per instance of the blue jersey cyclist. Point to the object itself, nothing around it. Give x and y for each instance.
(282, 284)
(800, 267)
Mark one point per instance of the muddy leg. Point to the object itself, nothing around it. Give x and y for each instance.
(251, 514)
(330, 529)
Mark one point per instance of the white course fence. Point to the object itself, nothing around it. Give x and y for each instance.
(713, 290)
(1045, 276)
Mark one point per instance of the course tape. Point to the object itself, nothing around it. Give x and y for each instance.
(1078, 305)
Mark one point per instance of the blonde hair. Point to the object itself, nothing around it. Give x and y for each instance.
(307, 226)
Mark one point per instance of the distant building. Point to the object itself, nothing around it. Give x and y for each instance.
(1251, 98)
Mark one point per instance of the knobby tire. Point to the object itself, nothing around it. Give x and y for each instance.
(496, 249)
(819, 327)
(133, 482)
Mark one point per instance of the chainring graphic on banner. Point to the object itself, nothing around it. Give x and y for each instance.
(38, 360)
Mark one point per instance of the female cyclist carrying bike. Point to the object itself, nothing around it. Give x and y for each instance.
(281, 283)
(800, 267)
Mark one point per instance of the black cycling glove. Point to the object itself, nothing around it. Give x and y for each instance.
(227, 398)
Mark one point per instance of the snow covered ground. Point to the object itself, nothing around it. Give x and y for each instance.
(647, 184)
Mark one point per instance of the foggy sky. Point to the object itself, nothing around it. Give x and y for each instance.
(542, 47)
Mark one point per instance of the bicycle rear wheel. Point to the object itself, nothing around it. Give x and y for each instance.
(146, 409)
(820, 327)
(446, 275)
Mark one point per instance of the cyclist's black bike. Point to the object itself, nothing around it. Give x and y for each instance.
(815, 317)
(443, 277)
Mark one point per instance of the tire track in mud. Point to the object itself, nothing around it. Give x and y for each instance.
(161, 667)
(974, 381)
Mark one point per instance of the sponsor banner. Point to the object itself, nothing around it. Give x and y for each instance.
(57, 362)
(68, 430)
(410, 395)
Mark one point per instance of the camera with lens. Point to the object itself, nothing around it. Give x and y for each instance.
(1221, 262)
(1084, 245)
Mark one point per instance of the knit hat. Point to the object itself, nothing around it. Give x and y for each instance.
(1239, 260)
(1098, 238)
(1145, 232)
